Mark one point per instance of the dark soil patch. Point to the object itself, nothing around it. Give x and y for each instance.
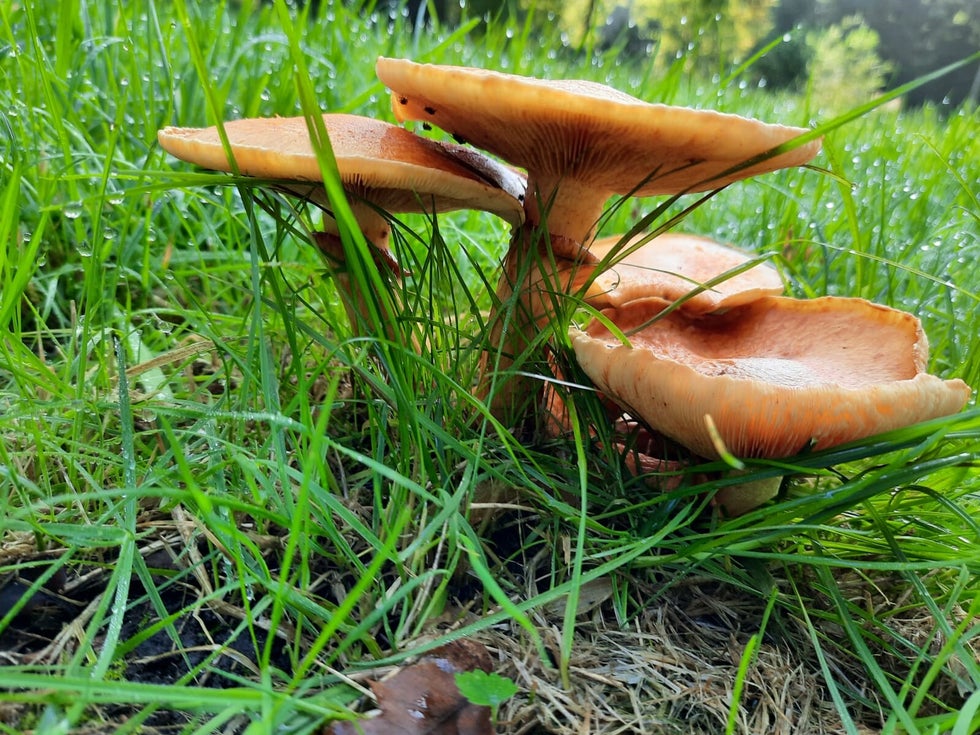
(201, 644)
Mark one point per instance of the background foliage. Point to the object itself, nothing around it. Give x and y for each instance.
(914, 36)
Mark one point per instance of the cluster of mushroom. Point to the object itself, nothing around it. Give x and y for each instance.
(712, 360)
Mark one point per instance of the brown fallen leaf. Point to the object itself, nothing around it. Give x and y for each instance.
(423, 699)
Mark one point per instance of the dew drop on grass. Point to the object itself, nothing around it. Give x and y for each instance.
(72, 211)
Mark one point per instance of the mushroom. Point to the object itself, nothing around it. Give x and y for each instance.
(581, 143)
(704, 275)
(383, 168)
(776, 376)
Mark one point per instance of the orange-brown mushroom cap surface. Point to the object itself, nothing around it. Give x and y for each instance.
(776, 376)
(582, 142)
(381, 163)
(670, 266)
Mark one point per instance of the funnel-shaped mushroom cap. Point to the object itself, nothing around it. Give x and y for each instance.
(583, 140)
(382, 164)
(776, 375)
(671, 266)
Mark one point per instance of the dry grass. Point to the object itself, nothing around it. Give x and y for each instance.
(673, 670)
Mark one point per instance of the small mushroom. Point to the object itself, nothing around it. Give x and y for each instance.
(383, 168)
(706, 276)
(776, 376)
(583, 142)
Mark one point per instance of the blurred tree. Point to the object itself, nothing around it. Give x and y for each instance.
(844, 67)
(721, 31)
(915, 37)
(785, 65)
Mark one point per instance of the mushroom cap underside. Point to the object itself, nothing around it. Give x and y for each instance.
(776, 376)
(379, 162)
(577, 130)
(670, 266)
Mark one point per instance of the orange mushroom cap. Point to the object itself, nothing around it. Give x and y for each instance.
(582, 142)
(776, 375)
(381, 165)
(670, 266)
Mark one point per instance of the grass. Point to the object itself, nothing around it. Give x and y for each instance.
(205, 476)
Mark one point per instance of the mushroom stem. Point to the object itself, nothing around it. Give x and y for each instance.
(537, 280)
(375, 228)
(568, 208)
(353, 299)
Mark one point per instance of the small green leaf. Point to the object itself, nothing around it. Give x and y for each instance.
(488, 690)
